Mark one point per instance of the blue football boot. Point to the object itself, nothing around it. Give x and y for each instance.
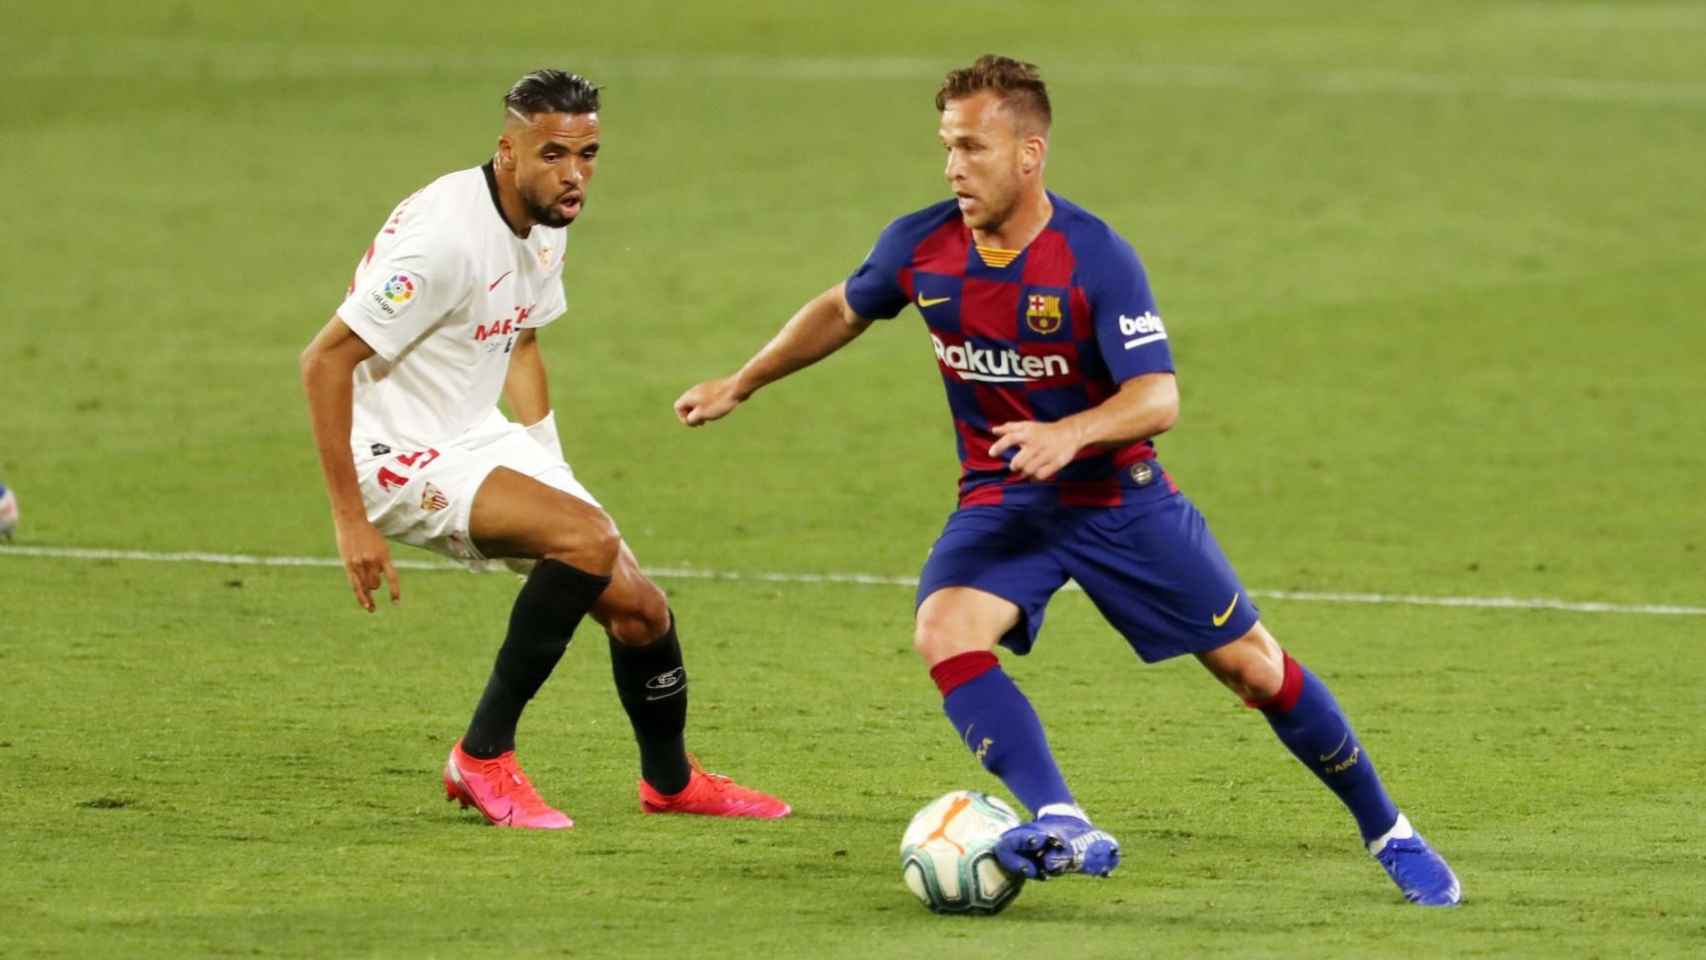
(1419, 872)
(1052, 845)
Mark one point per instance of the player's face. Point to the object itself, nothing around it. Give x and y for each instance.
(552, 159)
(986, 158)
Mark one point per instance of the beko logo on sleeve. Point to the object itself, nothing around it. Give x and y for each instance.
(1144, 328)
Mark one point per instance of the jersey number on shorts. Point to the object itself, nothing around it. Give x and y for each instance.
(391, 480)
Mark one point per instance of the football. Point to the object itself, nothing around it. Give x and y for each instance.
(8, 512)
(947, 856)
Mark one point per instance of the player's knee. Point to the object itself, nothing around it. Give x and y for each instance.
(589, 543)
(936, 638)
(604, 545)
(1255, 682)
(1253, 667)
(641, 617)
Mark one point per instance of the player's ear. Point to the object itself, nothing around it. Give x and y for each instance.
(506, 153)
(1031, 154)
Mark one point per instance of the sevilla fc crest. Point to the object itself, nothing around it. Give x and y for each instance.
(433, 499)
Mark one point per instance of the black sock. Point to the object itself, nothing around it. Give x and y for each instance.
(551, 604)
(653, 686)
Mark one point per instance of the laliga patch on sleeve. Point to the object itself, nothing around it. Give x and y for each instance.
(394, 295)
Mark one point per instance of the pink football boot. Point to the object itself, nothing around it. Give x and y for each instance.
(500, 791)
(713, 795)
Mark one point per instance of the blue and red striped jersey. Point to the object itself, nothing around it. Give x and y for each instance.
(1036, 334)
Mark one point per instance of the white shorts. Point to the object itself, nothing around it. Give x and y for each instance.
(424, 497)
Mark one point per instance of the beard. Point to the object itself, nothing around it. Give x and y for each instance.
(993, 205)
(544, 211)
(988, 216)
(547, 215)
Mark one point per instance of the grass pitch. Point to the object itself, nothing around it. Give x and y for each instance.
(1433, 281)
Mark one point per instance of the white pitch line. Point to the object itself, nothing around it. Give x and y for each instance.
(231, 559)
(873, 579)
(1484, 603)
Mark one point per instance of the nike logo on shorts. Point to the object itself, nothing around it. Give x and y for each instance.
(1225, 615)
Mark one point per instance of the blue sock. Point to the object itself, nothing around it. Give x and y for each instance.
(999, 726)
(1309, 722)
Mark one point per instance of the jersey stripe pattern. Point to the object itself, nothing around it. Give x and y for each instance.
(1038, 334)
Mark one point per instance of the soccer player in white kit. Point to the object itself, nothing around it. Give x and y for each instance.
(403, 385)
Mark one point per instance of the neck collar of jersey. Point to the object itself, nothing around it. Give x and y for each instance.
(492, 187)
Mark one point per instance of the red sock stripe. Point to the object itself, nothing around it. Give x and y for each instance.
(1290, 689)
(957, 671)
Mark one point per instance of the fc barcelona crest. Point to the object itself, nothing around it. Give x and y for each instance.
(1042, 313)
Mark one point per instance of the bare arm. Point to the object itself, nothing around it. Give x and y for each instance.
(824, 325)
(525, 389)
(328, 369)
(1144, 407)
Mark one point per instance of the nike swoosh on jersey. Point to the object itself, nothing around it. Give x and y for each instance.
(494, 284)
(925, 302)
(1225, 615)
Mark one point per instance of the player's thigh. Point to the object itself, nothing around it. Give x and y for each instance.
(988, 580)
(1159, 577)
(515, 515)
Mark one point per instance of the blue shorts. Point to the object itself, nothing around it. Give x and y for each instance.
(1154, 571)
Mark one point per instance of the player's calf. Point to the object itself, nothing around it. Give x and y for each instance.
(546, 612)
(1308, 720)
(989, 712)
(1311, 724)
(649, 672)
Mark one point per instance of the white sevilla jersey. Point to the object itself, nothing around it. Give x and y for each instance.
(441, 296)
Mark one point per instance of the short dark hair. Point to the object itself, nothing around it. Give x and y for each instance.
(552, 91)
(1018, 83)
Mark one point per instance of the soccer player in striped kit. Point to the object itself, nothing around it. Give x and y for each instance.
(1059, 375)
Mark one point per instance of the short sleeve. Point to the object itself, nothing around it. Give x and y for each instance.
(874, 291)
(1129, 331)
(553, 304)
(406, 289)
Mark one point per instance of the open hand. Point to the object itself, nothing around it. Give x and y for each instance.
(1043, 448)
(367, 559)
